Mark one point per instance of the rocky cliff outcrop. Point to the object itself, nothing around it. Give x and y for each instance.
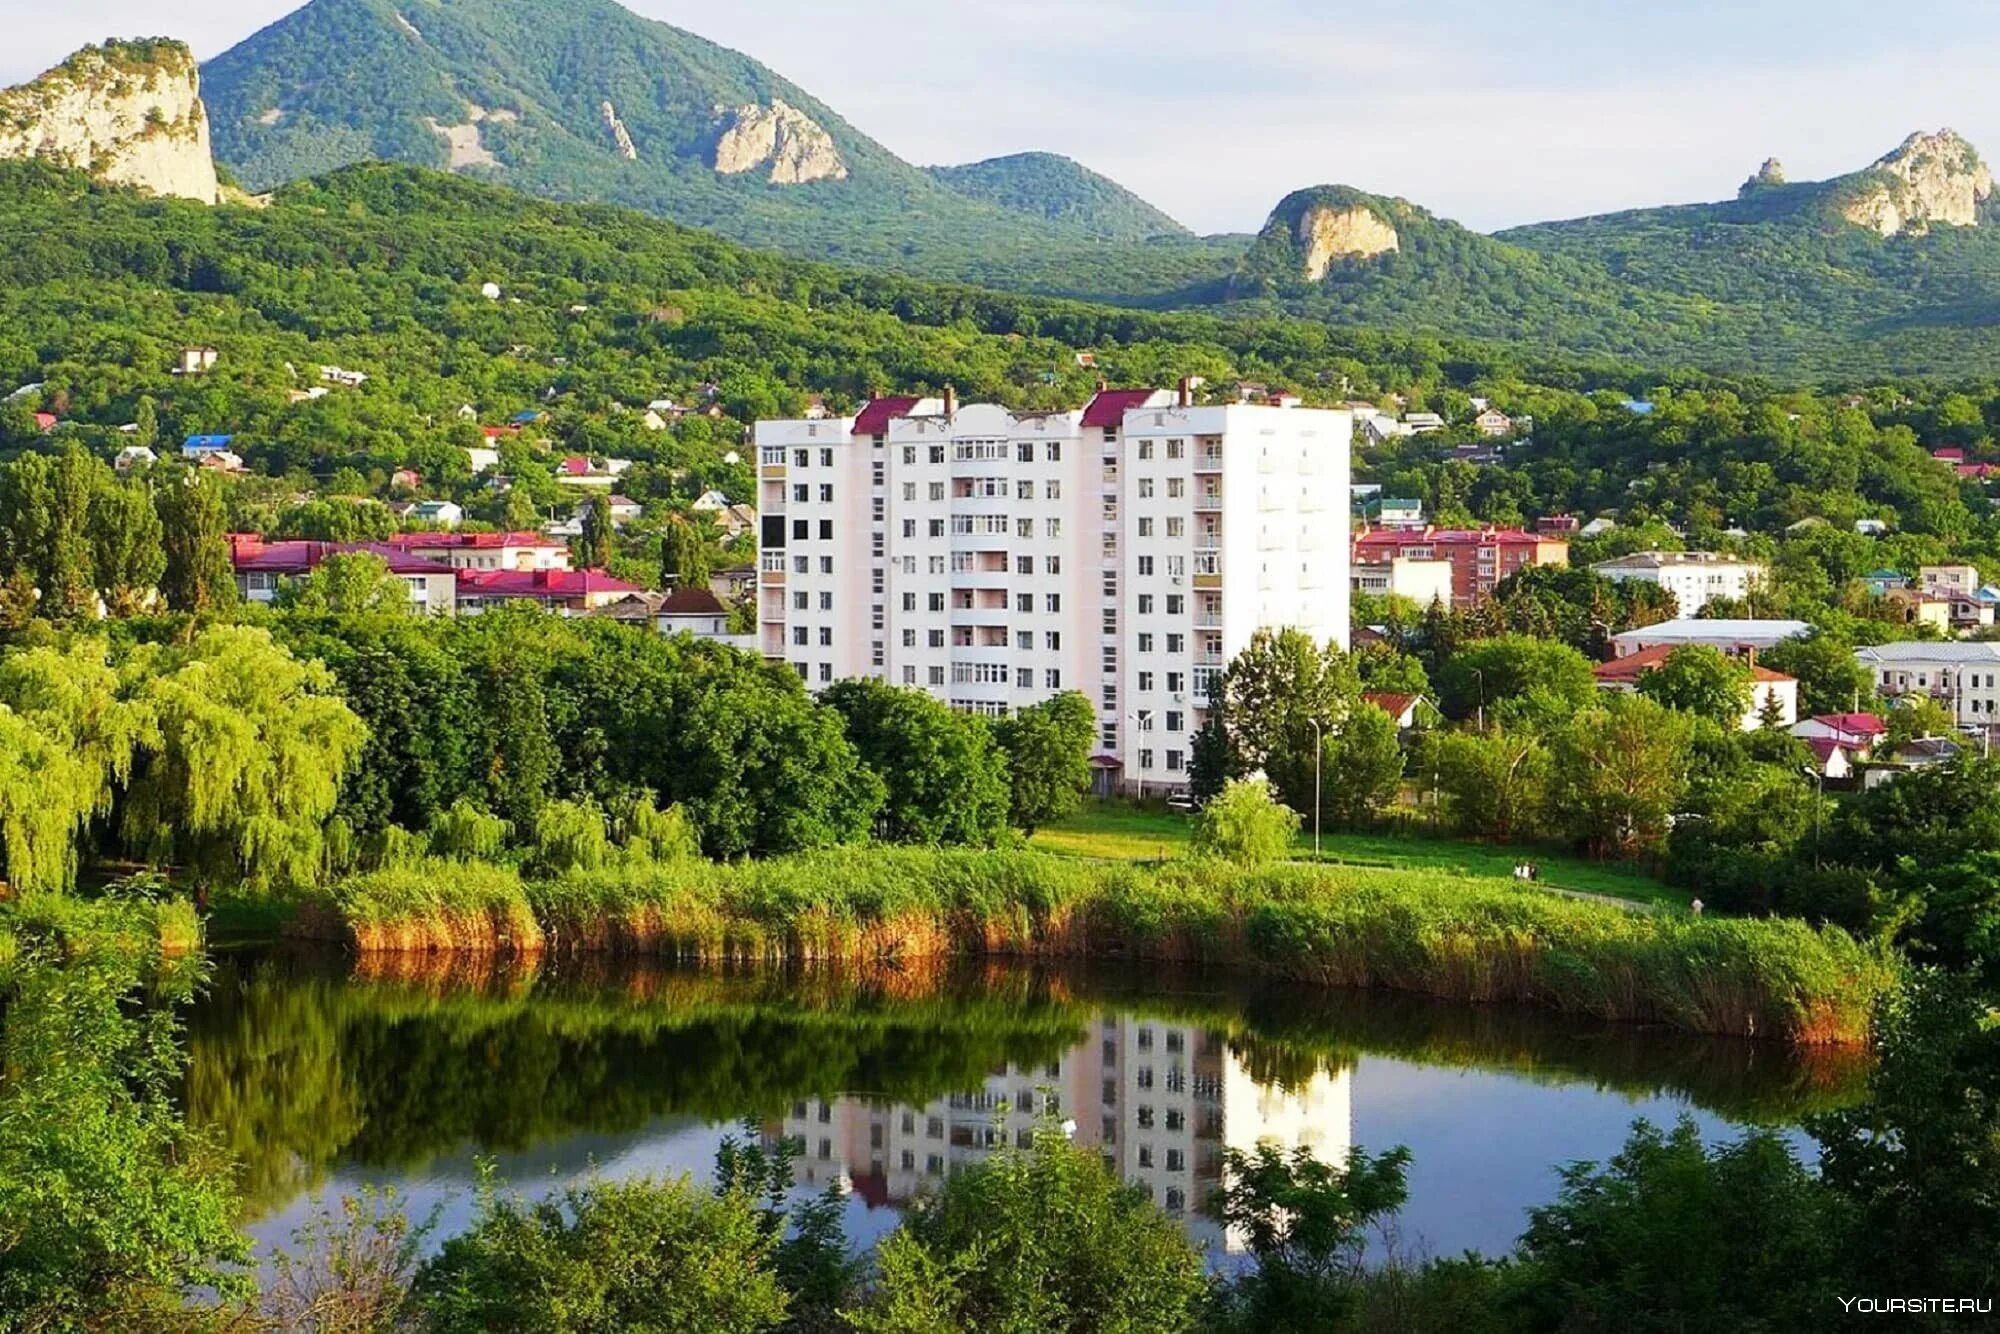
(1932, 178)
(791, 143)
(130, 113)
(1327, 232)
(621, 138)
(1769, 176)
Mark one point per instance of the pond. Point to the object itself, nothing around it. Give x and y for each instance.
(324, 1075)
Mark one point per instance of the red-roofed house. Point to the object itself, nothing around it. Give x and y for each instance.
(45, 422)
(1834, 759)
(1403, 708)
(486, 551)
(264, 567)
(564, 591)
(1480, 557)
(1857, 731)
(1765, 685)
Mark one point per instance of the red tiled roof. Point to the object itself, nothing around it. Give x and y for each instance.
(1632, 667)
(497, 432)
(45, 421)
(1949, 454)
(545, 584)
(1979, 470)
(1108, 409)
(477, 541)
(1854, 724)
(1823, 747)
(300, 557)
(874, 419)
(1392, 704)
(691, 602)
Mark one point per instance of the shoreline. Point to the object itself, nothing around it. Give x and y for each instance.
(1451, 938)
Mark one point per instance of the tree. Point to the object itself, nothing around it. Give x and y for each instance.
(1657, 1240)
(1620, 770)
(114, 1209)
(193, 529)
(243, 758)
(1831, 679)
(683, 555)
(1699, 679)
(347, 583)
(1043, 1239)
(146, 422)
(1485, 674)
(1271, 696)
(593, 546)
(640, 1255)
(45, 506)
(1245, 824)
(1306, 1224)
(1211, 759)
(1363, 767)
(1918, 716)
(946, 780)
(1048, 750)
(1494, 784)
(128, 557)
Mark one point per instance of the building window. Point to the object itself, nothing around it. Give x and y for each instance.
(1145, 450)
(1054, 641)
(909, 676)
(1145, 489)
(801, 493)
(1053, 604)
(909, 602)
(802, 458)
(1176, 604)
(1145, 680)
(826, 602)
(826, 636)
(1176, 643)
(937, 602)
(1052, 451)
(937, 528)
(826, 530)
(801, 529)
(1176, 487)
(801, 636)
(1145, 527)
(1176, 449)
(1024, 603)
(1176, 721)
(909, 639)
(1145, 566)
(1052, 564)
(825, 493)
(937, 453)
(1024, 452)
(1145, 643)
(1052, 527)
(1024, 678)
(935, 638)
(1024, 565)
(801, 600)
(1173, 761)
(937, 676)
(909, 456)
(1176, 526)
(826, 458)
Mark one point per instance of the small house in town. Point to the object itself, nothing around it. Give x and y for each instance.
(198, 360)
(1771, 693)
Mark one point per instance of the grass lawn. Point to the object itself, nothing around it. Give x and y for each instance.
(1122, 832)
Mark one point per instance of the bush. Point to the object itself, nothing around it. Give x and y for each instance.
(569, 836)
(466, 833)
(1246, 825)
(637, 1255)
(1044, 1239)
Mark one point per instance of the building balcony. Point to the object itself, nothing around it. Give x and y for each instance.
(1207, 504)
(1208, 460)
(1207, 542)
(1208, 620)
(1210, 660)
(772, 471)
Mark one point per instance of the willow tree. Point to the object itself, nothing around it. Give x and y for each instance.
(67, 740)
(242, 766)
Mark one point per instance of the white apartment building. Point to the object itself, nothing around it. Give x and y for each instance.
(1126, 550)
(1695, 578)
(1159, 1101)
(1421, 581)
(1964, 677)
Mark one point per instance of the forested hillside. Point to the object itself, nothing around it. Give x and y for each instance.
(584, 100)
(1045, 185)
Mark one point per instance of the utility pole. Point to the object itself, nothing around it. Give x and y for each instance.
(1478, 672)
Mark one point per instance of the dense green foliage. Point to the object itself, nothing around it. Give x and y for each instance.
(350, 82)
(1049, 186)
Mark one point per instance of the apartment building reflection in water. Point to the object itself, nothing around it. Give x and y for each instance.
(1160, 1101)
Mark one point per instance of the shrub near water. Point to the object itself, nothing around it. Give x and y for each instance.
(1434, 934)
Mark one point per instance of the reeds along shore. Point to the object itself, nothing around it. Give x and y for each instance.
(1450, 937)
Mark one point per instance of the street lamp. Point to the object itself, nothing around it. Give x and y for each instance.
(1319, 748)
(1134, 719)
(1482, 699)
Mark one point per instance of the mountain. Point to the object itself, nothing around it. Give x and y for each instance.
(584, 100)
(1058, 189)
(128, 112)
(1894, 268)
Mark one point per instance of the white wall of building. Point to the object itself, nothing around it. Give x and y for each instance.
(997, 558)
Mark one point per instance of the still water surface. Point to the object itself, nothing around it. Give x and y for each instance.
(323, 1076)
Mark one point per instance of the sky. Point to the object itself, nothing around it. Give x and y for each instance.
(1490, 112)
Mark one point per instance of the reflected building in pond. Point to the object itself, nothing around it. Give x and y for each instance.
(1160, 1102)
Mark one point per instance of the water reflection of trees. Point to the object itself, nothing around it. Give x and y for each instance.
(298, 1063)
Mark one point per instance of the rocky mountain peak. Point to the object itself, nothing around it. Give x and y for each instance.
(1328, 231)
(1768, 176)
(795, 147)
(1931, 178)
(130, 113)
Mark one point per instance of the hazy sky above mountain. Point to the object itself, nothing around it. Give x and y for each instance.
(1493, 112)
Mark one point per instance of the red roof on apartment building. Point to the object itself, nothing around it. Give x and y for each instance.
(249, 552)
(545, 585)
(1626, 670)
(472, 541)
(1503, 537)
(1108, 409)
(874, 418)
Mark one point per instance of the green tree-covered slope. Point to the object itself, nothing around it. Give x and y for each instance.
(584, 100)
(1058, 189)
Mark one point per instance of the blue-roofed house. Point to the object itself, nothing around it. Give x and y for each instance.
(198, 445)
(1881, 581)
(528, 418)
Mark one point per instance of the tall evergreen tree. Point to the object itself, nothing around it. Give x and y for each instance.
(193, 527)
(593, 546)
(126, 547)
(683, 556)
